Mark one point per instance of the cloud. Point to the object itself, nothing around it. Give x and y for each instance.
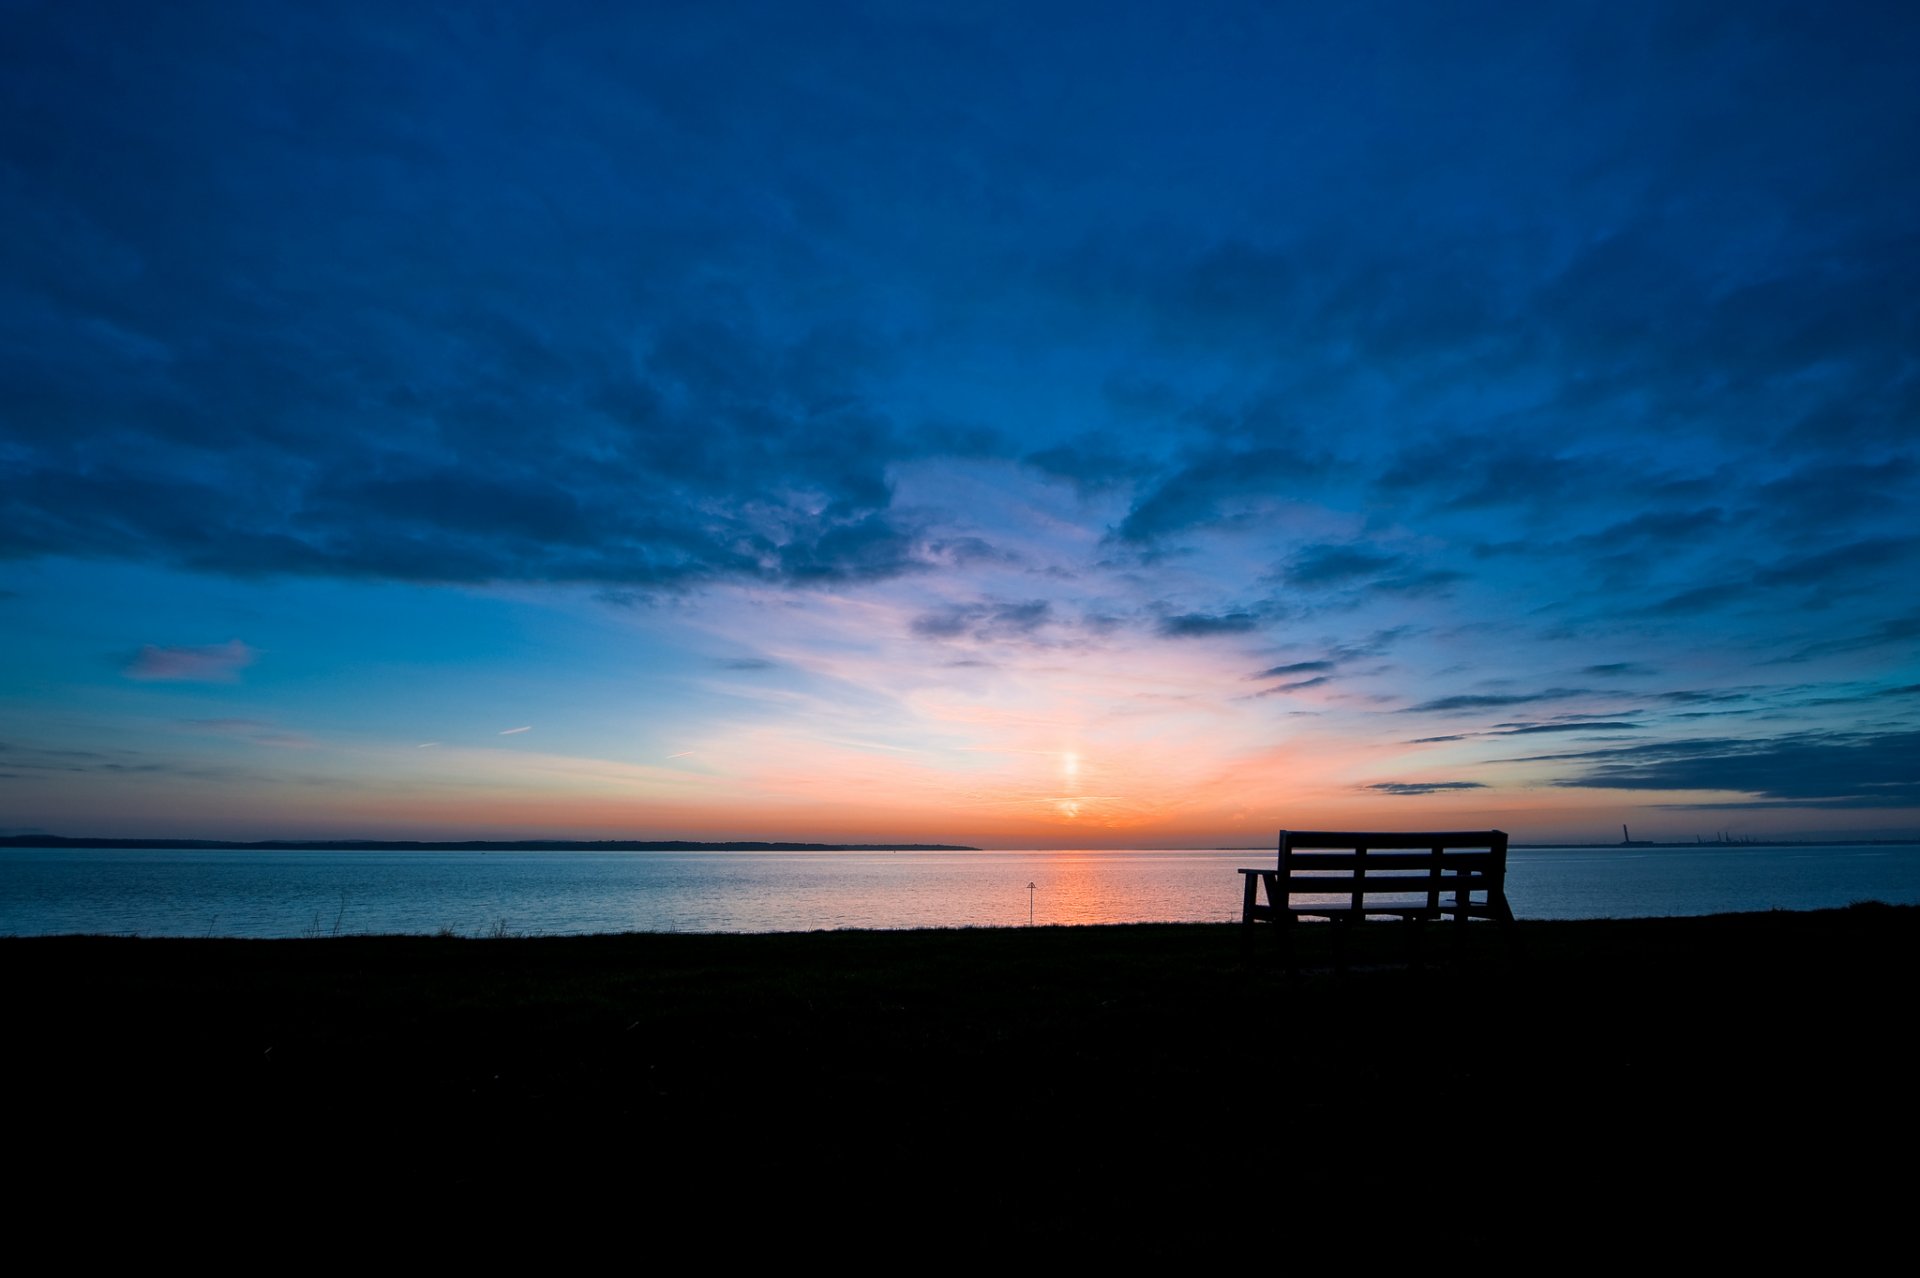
(1809, 769)
(1573, 723)
(1823, 496)
(873, 547)
(1089, 462)
(213, 663)
(36, 761)
(1700, 599)
(1665, 529)
(1829, 574)
(1689, 697)
(1374, 645)
(1617, 670)
(1421, 787)
(986, 621)
(623, 501)
(382, 409)
(1357, 565)
(1893, 630)
(1593, 726)
(1427, 582)
(1325, 565)
(1491, 701)
(1201, 625)
(1217, 486)
(962, 552)
(253, 731)
(1828, 566)
(1466, 473)
(1295, 668)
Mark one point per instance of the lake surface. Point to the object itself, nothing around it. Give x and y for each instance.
(176, 892)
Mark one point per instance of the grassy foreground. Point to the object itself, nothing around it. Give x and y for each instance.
(1707, 1080)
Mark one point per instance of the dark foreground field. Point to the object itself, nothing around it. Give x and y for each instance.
(1733, 1083)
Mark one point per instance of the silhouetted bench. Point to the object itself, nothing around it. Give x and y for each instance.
(1345, 877)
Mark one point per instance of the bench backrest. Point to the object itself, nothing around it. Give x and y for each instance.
(1358, 863)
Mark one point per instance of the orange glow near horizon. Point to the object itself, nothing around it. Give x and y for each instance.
(857, 736)
(765, 785)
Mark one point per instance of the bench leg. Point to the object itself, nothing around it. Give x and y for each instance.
(1248, 900)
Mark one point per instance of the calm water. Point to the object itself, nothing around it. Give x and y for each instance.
(165, 892)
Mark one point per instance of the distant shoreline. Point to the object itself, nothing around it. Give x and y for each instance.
(742, 845)
(469, 845)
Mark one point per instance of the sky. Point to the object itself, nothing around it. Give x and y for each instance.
(1028, 425)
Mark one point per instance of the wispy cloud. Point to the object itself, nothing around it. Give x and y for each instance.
(1297, 685)
(1894, 630)
(1493, 700)
(1592, 725)
(1337, 565)
(1295, 668)
(986, 621)
(213, 663)
(253, 731)
(1201, 625)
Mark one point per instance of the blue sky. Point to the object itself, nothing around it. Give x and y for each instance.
(1038, 424)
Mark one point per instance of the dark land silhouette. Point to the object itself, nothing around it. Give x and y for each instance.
(1731, 1080)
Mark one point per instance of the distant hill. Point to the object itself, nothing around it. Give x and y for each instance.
(473, 845)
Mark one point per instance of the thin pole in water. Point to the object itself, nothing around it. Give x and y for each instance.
(1029, 904)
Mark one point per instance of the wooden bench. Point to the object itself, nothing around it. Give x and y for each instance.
(1345, 877)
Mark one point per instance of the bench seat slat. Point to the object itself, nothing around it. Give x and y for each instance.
(1386, 860)
(1346, 863)
(1477, 910)
(1401, 883)
(1404, 908)
(1409, 873)
(1373, 885)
